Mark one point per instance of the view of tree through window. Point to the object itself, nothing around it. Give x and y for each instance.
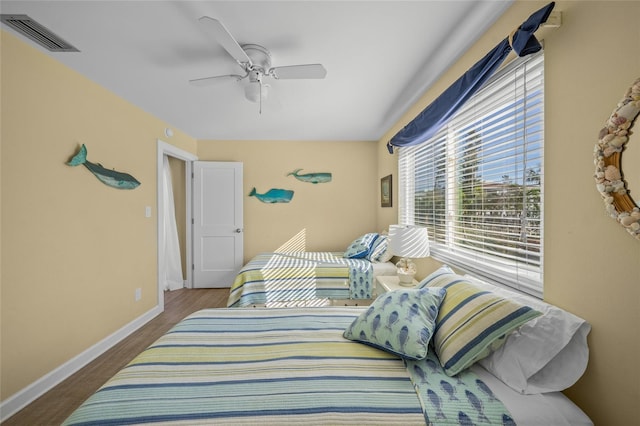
(477, 185)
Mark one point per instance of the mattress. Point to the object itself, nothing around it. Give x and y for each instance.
(292, 366)
(303, 279)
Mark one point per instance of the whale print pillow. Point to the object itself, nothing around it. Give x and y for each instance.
(400, 322)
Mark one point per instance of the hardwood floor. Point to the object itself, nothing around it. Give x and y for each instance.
(55, 406)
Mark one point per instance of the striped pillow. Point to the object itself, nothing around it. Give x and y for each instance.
(471, 322)
(380, 252)
(361, 246)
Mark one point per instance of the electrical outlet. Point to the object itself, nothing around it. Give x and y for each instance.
(138, 294)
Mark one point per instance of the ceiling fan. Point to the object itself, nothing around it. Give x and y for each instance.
(255, 61)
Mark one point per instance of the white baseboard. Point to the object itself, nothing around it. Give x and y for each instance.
(24, 397)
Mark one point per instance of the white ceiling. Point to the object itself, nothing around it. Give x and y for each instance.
(380, 57)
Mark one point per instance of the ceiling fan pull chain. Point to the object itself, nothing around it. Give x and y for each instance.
(260, 108)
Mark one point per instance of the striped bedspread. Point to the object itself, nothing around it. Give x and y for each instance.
(257, 366)
(275, 366)
(282, 279)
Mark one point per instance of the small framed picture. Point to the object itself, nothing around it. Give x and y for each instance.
(385, 192)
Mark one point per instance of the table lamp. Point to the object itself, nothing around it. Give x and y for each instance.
(408, 242)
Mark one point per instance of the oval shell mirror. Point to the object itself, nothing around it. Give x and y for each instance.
(610, 178)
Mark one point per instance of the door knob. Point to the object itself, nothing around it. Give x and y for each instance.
(238, 230)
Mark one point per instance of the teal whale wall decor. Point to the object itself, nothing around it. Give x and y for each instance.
(273, 195)
(111, 178)
(311, 177)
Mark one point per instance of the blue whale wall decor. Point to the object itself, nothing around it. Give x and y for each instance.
(111, 178)
(274, 195)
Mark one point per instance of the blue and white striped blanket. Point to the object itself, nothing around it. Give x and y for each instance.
(282, 279)
(280, 366)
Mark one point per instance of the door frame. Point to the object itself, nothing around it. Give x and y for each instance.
(167, 149)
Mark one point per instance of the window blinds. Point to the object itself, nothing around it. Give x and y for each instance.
(477, 184)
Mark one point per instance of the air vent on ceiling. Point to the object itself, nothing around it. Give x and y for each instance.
(37, 33)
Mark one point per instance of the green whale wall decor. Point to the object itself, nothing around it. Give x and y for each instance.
(111, 178)
(311, 177)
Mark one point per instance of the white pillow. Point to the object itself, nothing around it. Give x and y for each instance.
(547, 354)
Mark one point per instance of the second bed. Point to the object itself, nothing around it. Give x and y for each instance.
(305, 279)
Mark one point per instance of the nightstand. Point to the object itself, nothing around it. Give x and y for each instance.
(385, 283)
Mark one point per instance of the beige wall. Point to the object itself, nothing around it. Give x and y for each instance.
(328, 216)
(73, 249)
(592, 266)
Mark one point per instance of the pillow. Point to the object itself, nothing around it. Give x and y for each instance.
(380, 252)
(471, 322)
(400, 322)
(547, 354)
(361, 246)
(444, 270)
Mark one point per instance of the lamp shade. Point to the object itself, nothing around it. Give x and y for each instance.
(408, 241)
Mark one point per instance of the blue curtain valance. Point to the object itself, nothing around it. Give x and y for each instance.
(433, 117)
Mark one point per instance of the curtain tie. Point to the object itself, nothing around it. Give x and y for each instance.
(511, 36)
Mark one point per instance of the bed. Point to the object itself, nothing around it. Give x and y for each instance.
(299, 366)
(288, 279)
(305, 279)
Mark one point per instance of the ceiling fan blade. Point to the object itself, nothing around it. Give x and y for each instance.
(220, 33)
(208, 81)
(299, 71)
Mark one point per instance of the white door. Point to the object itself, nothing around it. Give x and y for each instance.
(217, 223)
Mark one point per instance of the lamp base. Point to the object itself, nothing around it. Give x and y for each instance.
(405, 280)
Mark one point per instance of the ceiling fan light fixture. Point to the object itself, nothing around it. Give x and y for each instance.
(253, 89)
(255, 61)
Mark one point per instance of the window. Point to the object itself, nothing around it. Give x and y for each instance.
(477, 185)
